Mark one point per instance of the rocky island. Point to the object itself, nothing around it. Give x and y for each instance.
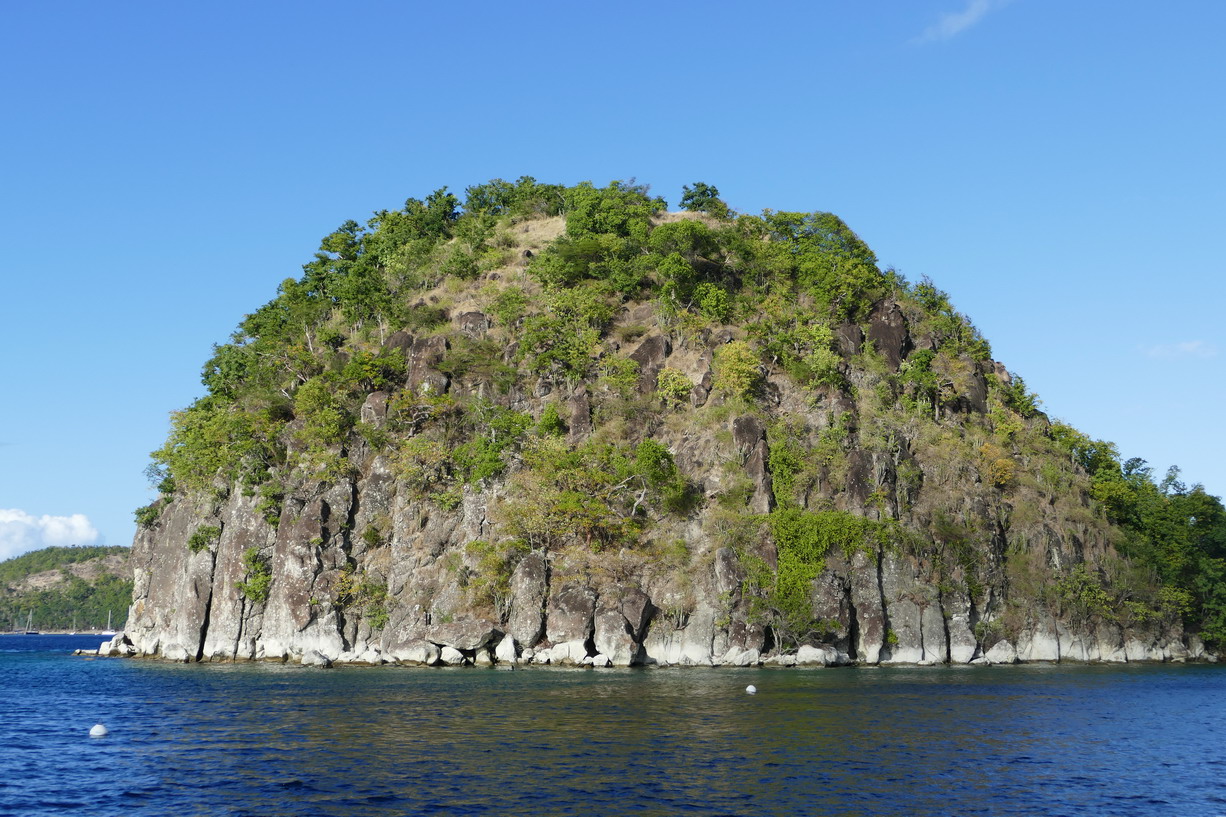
(564, 425)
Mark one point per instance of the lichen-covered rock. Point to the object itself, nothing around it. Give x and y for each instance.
(685, 643)
(451, 657)
(749, 434)
(737, 657)
(374, 410)
(571, 613)
(614, 638)
(467, 636)
(1002, 652)
(568, 652)
(1040, 643)
(473, 324)
(529, 591)
(963, 646)
(637, 610)
(808, 656)
(507, 651)
(906, 601)
(424, 357)
(314, 658)
(423, 654)
(849, 339)
(579, 414)
(868, 606)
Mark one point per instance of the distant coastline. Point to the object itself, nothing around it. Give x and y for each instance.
(61, 632)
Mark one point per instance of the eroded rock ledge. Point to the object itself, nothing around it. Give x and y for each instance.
(881, 609)
(503, 651)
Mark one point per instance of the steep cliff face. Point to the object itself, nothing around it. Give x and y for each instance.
(888, 604)
(488, 505)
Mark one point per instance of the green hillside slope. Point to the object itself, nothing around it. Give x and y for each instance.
(66, 588)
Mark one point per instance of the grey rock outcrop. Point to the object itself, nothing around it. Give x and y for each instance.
(363, 569)
(650, 355)
(887, 329)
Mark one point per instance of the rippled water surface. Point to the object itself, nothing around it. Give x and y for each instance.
(272, 740)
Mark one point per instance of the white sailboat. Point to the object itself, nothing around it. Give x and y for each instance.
(108, 630)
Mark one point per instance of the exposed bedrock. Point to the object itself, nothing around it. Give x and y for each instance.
(876, 607)
(364, 569)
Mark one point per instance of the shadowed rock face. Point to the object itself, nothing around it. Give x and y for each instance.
(580, 422)
(473, 324)
(530, 589)
(424, 356)
(365, 570)
(887, 329)
(650, 355)
(749, 434)
(570, 614)
(848, 338)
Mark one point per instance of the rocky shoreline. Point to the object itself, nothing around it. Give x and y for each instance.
(503, 652)
(879, 608)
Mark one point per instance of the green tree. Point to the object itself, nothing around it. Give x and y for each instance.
(257, 581)
(702, 198)
(827, 260)
(564, 338)
(623, 209)
(738, 373)
(673, 387)
(525, 197)
(323, 415)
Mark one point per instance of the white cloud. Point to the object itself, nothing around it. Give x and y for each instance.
(952, 24)
(1186, 349)
(20, 532)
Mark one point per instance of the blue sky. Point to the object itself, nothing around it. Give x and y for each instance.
(1057, 167)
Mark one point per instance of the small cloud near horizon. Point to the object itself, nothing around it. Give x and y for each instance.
(21, 532)
(1186, 349)
(952, 24)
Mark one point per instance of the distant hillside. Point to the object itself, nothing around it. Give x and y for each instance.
(62, 588)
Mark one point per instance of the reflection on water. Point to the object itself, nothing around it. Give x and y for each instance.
(267, 740)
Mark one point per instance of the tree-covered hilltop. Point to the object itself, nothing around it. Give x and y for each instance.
(58, 588)
(636, 397)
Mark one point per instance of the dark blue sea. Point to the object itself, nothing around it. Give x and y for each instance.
(281, 740)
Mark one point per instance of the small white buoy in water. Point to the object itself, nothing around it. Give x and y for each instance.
(751, 689)
(98, 731)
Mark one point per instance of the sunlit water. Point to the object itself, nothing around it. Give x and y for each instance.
(273, 740)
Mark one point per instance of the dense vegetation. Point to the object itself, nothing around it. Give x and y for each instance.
(71, 602)
(790, 292)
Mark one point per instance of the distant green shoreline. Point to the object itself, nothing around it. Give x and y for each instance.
(59, 632)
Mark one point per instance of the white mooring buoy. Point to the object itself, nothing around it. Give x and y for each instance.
(751, 689)
(98, 731)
